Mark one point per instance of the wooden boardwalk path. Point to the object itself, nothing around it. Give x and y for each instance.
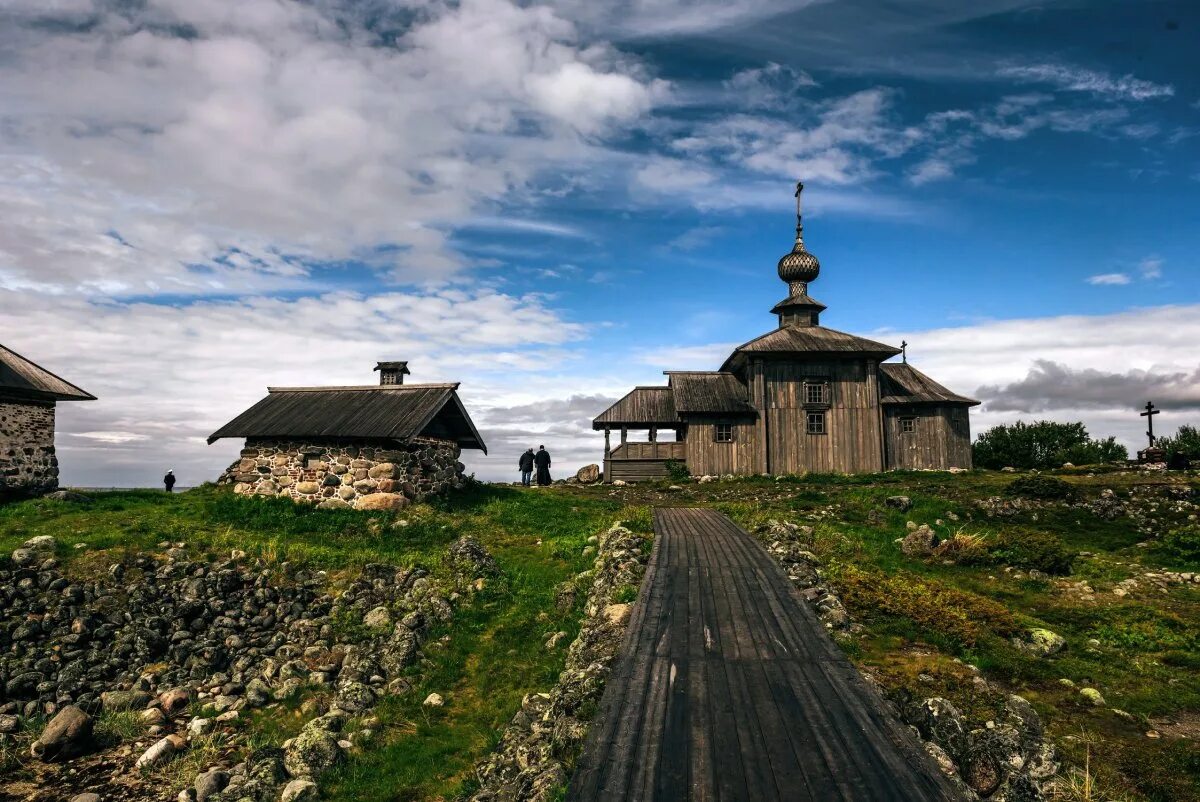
(728, 688)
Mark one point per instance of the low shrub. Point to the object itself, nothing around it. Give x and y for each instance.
(1045, 444)
(1032, 550)
(1182, 544)
(677, 471)
(963, 549)
(1045, 488)
(934, 606)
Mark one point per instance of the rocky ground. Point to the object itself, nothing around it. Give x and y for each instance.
(152, 667)
(242, 648)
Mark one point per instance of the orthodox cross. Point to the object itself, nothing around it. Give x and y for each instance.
(799, 219)
(1149, 416)
(904, 351)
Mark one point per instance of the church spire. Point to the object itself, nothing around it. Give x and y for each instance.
(797, 268)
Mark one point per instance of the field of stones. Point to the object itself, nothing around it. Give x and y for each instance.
(1041, 632)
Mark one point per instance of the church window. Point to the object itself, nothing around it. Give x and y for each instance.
(908, 425)
(816, 393)
(816, 423)
(388, 377)
(723, 432)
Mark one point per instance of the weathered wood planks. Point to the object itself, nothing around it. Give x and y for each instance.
(729, 689)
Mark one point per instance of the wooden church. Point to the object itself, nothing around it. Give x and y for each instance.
(801, 397)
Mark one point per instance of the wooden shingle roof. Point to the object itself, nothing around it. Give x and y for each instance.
(809, 340)
(642, 406)
(708, 391)
(20, 375)
(901, 383)
(395, 412)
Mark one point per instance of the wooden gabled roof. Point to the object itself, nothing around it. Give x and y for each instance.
(641, 406)
(20, 375)
(392, 411)
(901, 383)
(808, 340)
(709, 391)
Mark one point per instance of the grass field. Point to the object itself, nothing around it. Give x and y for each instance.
(924, 620)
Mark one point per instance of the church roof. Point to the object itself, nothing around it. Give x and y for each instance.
(709, 391)
(22, 376)
(641, 406)
(901, 383)
(394, 412)
(808, 340)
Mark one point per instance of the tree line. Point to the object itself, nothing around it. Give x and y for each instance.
(1049, 444)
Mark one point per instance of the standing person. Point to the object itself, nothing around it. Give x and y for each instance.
(169, 480)
(542, 460)
(526, 466)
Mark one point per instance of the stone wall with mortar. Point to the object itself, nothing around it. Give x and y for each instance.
(27, 462)
(341, 475)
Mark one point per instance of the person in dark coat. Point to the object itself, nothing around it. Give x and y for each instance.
(526, 466)
(542, 460)
(169, 480)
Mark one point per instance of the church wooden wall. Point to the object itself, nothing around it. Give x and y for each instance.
(936, 444)
(853, 442)
(705, 456)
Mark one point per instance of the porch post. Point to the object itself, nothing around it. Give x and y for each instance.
(624, 435)
(653, 434)
(607, 447)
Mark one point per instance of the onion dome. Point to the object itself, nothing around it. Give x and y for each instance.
(799, 267)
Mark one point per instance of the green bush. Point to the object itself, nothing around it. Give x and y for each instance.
(1040, 487)
(1045, 444)
(1182, 544)
(1186, 441)
(1032, 550)
(676, 470)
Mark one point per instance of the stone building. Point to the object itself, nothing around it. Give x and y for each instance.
(802, 397)
(370, 447)
(28, 394)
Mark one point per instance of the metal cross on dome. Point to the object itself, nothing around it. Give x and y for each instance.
(904, 351)
(1149, 416)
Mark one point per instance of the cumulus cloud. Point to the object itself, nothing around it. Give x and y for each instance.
(772, 86)
(1079, 79)
(198, 146)
(168, 376)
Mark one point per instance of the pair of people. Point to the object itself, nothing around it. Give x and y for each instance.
(529, 461)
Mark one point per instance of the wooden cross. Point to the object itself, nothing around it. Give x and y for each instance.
(904, 351)
(1149, 416)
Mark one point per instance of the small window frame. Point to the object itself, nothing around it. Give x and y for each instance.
(723, 432)
(815, 422)
(311, 461)
(816, 393)
(908, 424)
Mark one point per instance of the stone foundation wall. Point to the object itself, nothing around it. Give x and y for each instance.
(27, 462)
(341, 475)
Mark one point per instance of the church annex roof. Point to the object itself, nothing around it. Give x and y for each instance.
(809, 340)
(393, 412)
(20, 375)
(901, 383)
(641, 406)
(709, 391)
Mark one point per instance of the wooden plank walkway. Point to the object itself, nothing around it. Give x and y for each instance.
(729, 688)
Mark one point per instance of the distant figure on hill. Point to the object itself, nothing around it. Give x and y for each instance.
(526, 466)
(169, 480)
(542, 460)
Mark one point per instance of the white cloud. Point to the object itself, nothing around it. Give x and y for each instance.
(276, 135)
(773, 86)
(1109, 279)
(1079, 79)
(168, 376)
(1150, 267)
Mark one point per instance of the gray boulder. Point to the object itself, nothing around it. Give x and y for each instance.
(902, 503)
(312, 753)
(920, 542)
(68, 735)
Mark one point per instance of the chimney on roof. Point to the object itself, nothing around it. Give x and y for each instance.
(392, 372)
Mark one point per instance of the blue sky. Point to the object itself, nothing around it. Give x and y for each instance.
(553, 202)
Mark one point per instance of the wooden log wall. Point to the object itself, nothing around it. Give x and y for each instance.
(853, 439)
(937, 443)
(705, 456)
